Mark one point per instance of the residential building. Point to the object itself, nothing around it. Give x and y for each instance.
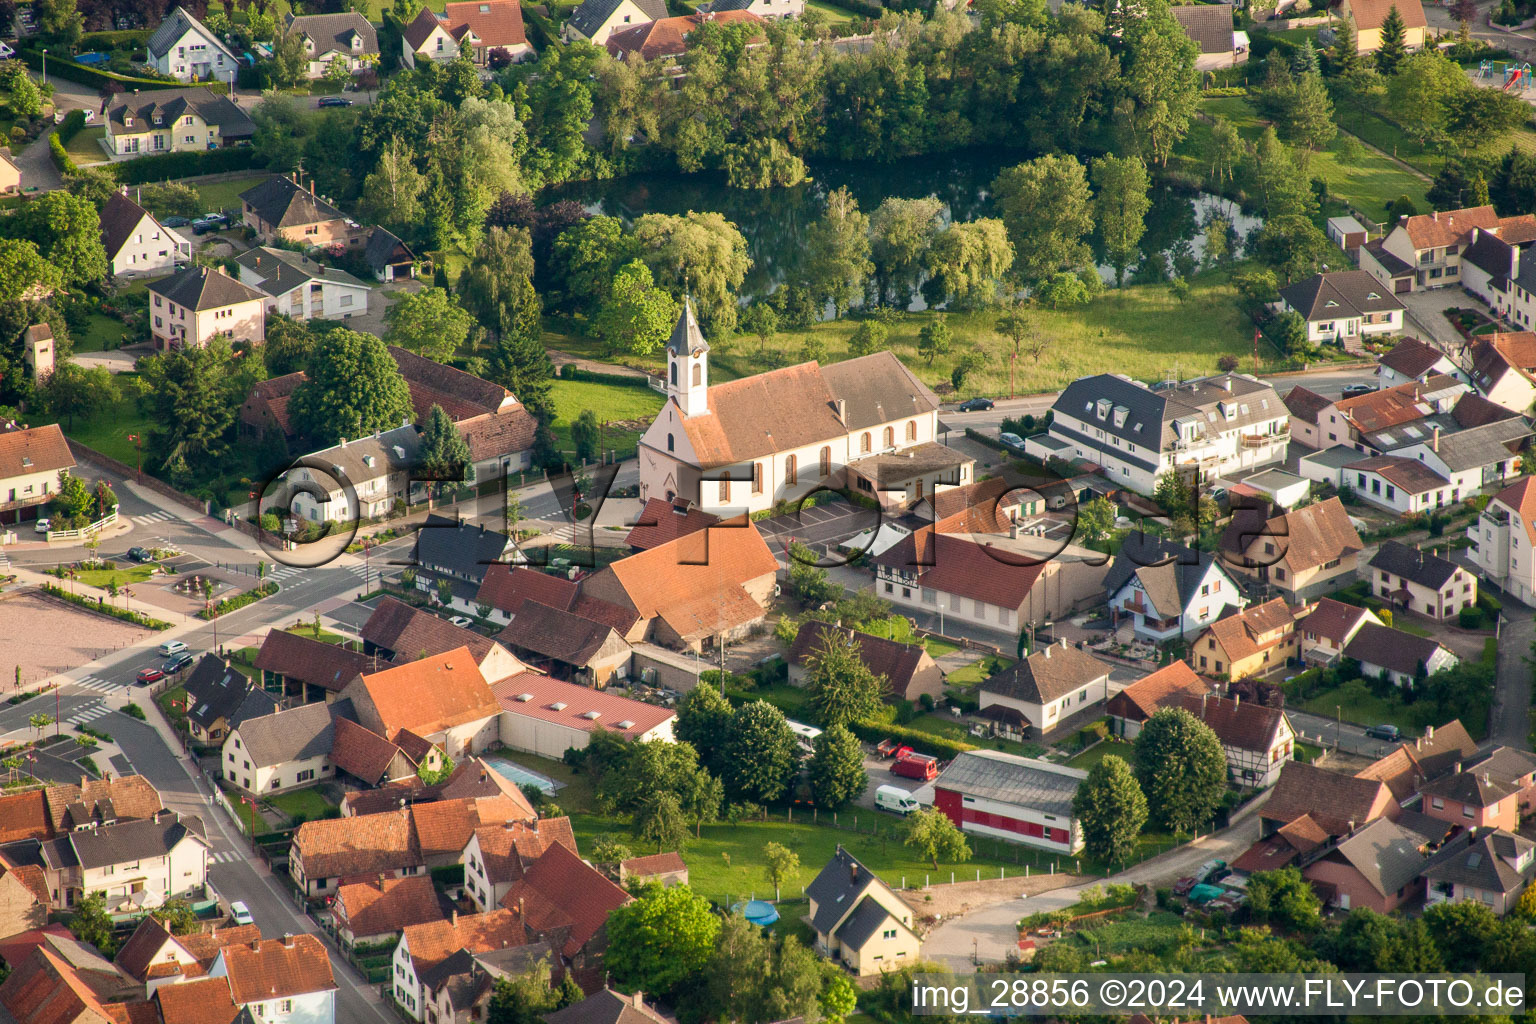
(174, 121)
(545, 716)
(220, 699)
(370, 758)
(577, 928)
(31, 459)
(1304, 407)
(1503, 539)
(471, 779)
(482, 27)
(194, 1001)
(596, 20)
(359, 846)
(768, 10)
(101, 801)
(137, 864)
(1401, 657)
(1328, 628)
(23, 897)
(1376, 867)
(1504, 369)
(1398, 484)
(497, 427)
(460, 549)
(425, 946)
(10, 174)
(1259, 640)
(45, 988)
(1423, 251)
(281, 751)
(908, 670)
(390, 259)
(280, 207)
(1488, 867)
(1210, 26)
(400, 633)
(427, 37)
(1413, 360)
(1166, 590)
(1438, 752)
(1421, 581)
(155, 958)
(198, 304)
(1335, 804)
(280, 981)
(606, 1006)
(1344, 306)
(665, 869)
(441, 698)
(1257, 740)
(667, 38)
(367, 478)
(264, 413)
(309, 669)
(188, 51)
(38, 350)
(496, 857)
(25, 816)
(661, 521)
(1301, 554)
(1472, 799)
(1357, 421)
(508, 588)
(859, 921)
(348, 37)
(566, 645)
(1208, 427)
(378, 911)
(135, 241)
(1044, 690)
(748, 444)
(461, 988)
(297, 286)
(1129, 709)
(1513, 767)
(1020, 799)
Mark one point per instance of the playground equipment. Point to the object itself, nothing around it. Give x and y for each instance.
(1511, 74)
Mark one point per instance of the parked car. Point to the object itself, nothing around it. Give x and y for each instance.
(1183, 885)
(334, 101)
(976, 405)
(896, 800)
(44, 525)
(1356, 390)
(171, 647)
(204, 226)
(240, 913)
(462, 620)
(1213, 871)
(140, 554)
(1384, 732)
(922, 767)
(148, 675)
(216, 217)
(176, 662)
(174, 222)
(1012, 441)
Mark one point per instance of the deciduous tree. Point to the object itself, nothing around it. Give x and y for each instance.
(1120, 205)
(840, 688)
(837, 250)
(427, 322)
(354, 388)
(758, 756)
(661, 939)
(901, 233)
(636, 316)
(837, 773)
(1182, 770)
(935, 837)
(1112, 809)
(1048, 209)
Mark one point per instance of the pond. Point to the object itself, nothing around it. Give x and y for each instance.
(774, 221)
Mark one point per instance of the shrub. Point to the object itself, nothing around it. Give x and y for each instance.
(1470, 617)
(167, 166)
(1488, 603)
(133, 711)
(926, 700)
(74, 123)
(1227, 363)
(61, 158)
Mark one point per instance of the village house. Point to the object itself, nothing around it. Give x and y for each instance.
(769, 10)
(482, 27)
(1490, 867)
(101, 801)
(264, 413)
(1257, 740)
(362, 479)
(1343, 307)
(1043, 690)
(1440, 751)
(1393, 654)
(576, 928)
(1423, 251)
(545, 716)
(280, 207)
(155, 958)
(1019, 799)
(1166, 590)
(1504, 368)
(458, 549)
(859, 921)
(24, 898)
(1333, 803)
(1301, 554)
(1370, 15)
(188, 51)
(297, 286)
(441, 698)
(389, 258)
(1421, 581)
(280, 981)
(1208, 427)
(1503, 539)
(31, 459)
(1472, 799)
(1355, 421)
(1129, 709)
(1413, 360)
(370, 758)
(198, 304)
(427, 37)
(306, 668)
(471, 779)
(566, 645)
(1376, 867)
(596, 20)
(1328, 628)
(38, 351)
(174, 121)
(749, 444)
(667, 38)
(425, 946)
(1397, 484)
(1259, 640)
(661, 521)
(664, 869)
(136, 243)
(137, 864)
(45, 986)
(348, 37)
(1304, 407)
(498, 856)
(908, 670)
(280, 751)
(10, 174)
(376, 911)
(1516, 768)
(507, 588)
(358, 846)
(497, 427)
(606, 1006)
(1210, 26)
(220, 699)
(401, 633)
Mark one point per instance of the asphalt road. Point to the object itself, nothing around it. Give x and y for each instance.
(1320, 730)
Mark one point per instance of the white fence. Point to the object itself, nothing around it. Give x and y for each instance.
(85, 531)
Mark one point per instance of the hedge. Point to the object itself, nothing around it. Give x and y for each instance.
(924, 742)
(74, 124)
(104, 609)
(863, 8)
(572, 372)
(169, 166)
(125, 39)
(240, 600)
(97, 79)
(60, 156)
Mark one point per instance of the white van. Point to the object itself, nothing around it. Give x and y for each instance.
(896, 800)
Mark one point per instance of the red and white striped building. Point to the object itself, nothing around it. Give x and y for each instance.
(1018, 799)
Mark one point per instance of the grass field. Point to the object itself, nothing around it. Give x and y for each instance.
(1355, 703)
(85, 147)
(98, 333)
(225, 195)
(1099, 751)
(1392, 139)
(1370, 181)
(108, 430)
(610, 401)
(122, 577)
(978, 671)
(309, 803)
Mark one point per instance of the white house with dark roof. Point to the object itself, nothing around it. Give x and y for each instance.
(769, 9)
(1208, 427)
(745, 445)
(136, 242)
(1210, 26)
(1421, 581)
(1019, 799)
(1489, 866)
(1398, 656)
(189, 51)
(1344, 306)
(347, 36)
(859, 921)
(1044, 689)
(137, 864)
(596, 20)
(281, 751)
(1166, 590)
(299, 287)
(357, 478)
(173, 121)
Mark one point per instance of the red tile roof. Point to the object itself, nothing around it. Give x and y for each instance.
(36, 450)
(1331, 799)
(1239, 724)
(443, 828)
(1443, 227)
(959, 564)
(24, 816)
(661, 521)
(1521, 498)
(359, 752)
(388, 905)
(655, 864)
(1141, 699)
(431, 695)
(508, 850)
(496, 22)
(1253, 630)
(204, 1001)
(43, 989)
(562, 881)
(1333, 620)
(505, 588)
(205, 946)
(611, 709)
(433, 942)
(361, 845)
(710, 565)
(278, 969)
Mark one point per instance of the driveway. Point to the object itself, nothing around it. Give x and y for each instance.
(1509, 722)
(1426, 316)
(991, 932)
(36, 165)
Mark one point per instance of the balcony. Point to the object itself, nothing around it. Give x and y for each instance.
(1265, 440)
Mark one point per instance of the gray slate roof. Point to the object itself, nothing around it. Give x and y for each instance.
(176, 25)
(293, 735)
(282, 270)
(1026, 781)
(352, 458)
(1483, 862)
(169, 104)
(1386, 854)
(334, 31)
(1170, 572)
(1047, 675)
(459, 548)
(282, 202)
(133, 840)
(202, 288)
(214, 691)
(836, 888)
(1421, 567)
(1388, 648)
(384, 248)
(1341, 293)
(589, 17)
(1506, 764)
(1210, 25)
(867, 918)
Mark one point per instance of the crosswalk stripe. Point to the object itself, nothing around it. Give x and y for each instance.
(225, 857)
(97, 683)
(155, 517)
(88, 716)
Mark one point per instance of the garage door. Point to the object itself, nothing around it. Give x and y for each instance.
(1402, 284)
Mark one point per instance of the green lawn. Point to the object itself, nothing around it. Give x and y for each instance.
(1393, 139)
(1357, 704)
(122, 577)
(611, 403)
(308, 803)
(1370, 181)
(835, 15)
(85, 147)
(939, 648)
(945, 726)
(225, 195)
(108, 430)
(977, 671)
(101, 332)
(173, 702)
(1099, 751)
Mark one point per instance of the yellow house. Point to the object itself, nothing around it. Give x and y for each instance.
(1253, 642)
(1370, 15)
(10, 174)
(859, 921)
(175, 120)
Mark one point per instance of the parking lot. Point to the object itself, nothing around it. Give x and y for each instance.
(820, 525)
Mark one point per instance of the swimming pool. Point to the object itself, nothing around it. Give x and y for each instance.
(92, 58)
(523, 776)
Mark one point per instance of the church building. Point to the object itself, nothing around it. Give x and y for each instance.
(868, 424)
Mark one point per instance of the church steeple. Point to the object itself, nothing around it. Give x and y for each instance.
(688, 364)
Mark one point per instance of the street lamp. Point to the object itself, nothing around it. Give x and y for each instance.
(1338, 725)
(137, 444)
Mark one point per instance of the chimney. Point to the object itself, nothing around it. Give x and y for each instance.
(454, 918)
(287, 940)
(84, 781)
(1237, 700)
(1203, 697)
(841, 405)
(1435, 444)
(853, 873)
(1047, 653)
(1429, 732)
(256, 945)
(1351, 824)
(1486, 780)
(639, 1000)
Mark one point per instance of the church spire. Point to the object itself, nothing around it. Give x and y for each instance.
(688, 364)
(687, 339)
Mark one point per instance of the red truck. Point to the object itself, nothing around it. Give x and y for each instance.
(916, 766)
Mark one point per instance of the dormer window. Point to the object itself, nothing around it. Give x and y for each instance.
(1103, 406)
